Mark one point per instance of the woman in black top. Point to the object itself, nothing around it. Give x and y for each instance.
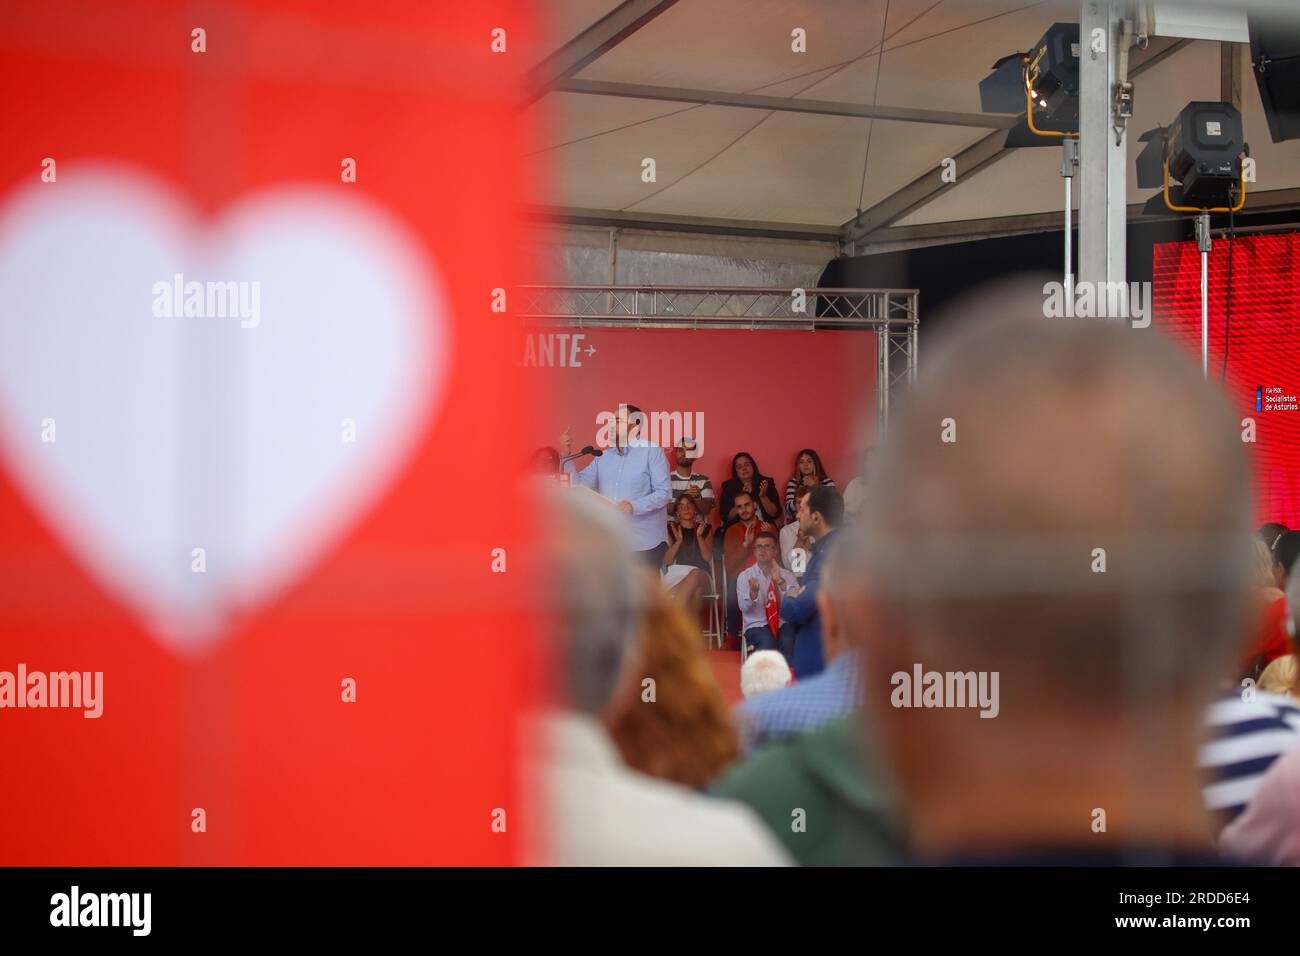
(746, 477)
(687, 562)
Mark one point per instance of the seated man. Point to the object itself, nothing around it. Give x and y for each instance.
(760, 589)
(738, 551)
(738, 542)
(796, 547)
(819, 699)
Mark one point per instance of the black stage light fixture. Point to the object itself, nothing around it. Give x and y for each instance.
(1201, 152)
(1204, 152)
(1053, 77)
(1275, 53)
(1043, 84)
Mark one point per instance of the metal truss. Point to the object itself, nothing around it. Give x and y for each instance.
(890, 313)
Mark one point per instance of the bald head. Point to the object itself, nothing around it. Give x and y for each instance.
(1090, 504)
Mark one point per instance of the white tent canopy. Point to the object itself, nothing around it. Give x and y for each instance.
(785, 173)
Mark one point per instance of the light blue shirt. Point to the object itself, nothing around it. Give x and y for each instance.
(639, 475)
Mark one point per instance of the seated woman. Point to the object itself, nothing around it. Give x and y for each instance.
(748, 480)
(689, 556)
(808, 473)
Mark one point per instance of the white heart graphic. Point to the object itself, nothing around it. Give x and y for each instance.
(178, 433)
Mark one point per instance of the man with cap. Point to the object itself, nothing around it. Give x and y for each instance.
(690, 482)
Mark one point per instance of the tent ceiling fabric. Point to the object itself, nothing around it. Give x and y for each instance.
(745, 164)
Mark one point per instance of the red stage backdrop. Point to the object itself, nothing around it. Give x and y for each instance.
(769, 393)
(1263, 347)
(258, 527)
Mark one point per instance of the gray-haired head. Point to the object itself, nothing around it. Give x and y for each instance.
(764, 672)
(600, 595)
(1293, 602)
(1066, 500)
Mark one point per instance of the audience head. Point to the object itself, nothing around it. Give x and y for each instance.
(767, 550)
(1262, 566)
(983, 555)
(763, 672)
(1279, 677)
(840, 585)
(685, 733)
(746, 506)
(1270, 532)
(685, 453)
(544, 461)
(684, 509)
(821, 511)
(599, 593)
(1293, 606)
(743, 467)
(808, 462)
(1285, 553)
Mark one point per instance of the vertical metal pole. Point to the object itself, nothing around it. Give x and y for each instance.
(1069, 227)
(613, 270)
(1205, 315)
(1069, 163)
(1103, 155)
(911, 354)
(882, 386)
(1204, 242)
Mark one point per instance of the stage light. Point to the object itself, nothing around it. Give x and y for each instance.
(1053, 71)
(1201, 152)
(1275, 53)
(1043, 84)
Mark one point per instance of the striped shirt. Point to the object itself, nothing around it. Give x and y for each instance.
(1245, 738)
(793, 485)
(683, 484)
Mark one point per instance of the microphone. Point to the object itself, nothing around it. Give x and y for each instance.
(587, 450)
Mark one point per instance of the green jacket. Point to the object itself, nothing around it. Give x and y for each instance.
(846, 819)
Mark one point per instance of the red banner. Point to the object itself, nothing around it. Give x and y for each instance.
(1257, 322)
(769, 393)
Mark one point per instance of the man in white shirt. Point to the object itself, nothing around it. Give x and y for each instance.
(796, 547)
(599, 812)
(760, 588)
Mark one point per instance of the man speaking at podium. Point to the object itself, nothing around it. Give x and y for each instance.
(634, 476)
